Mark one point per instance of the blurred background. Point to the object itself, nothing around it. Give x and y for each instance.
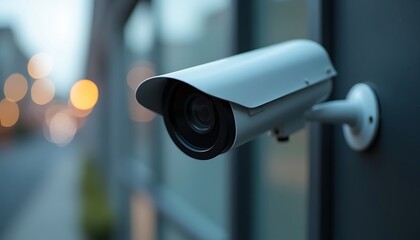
(80, 159)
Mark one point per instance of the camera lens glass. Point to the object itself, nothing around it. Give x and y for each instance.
(200, 125)
(200, 113)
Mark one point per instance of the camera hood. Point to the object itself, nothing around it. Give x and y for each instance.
(250, 79)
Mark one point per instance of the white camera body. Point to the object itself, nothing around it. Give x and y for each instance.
(212, 108)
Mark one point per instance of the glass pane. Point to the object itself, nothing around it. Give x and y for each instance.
(282, 188)
(166, 36)
(192, 33)
(202, 184)
(169, 231)
(138, 41)
(282, 179)
(280, 20)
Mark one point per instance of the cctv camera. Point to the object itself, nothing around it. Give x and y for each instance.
(212, 108)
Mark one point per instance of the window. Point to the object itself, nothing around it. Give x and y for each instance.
(160, 37)
(282, 174)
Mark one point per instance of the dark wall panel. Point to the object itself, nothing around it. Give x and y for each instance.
(376, 194)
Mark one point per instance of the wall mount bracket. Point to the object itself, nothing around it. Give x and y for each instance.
(359, 114)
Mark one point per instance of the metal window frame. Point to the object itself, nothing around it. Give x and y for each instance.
(243, 173)
(321, 137)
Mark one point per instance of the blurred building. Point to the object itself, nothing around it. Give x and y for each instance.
(34, 121)
(12, 59)
(18, 174)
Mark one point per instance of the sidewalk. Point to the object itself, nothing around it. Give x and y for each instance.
(52, 211)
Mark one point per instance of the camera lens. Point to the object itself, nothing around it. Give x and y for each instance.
(201, 126)
(200, 113)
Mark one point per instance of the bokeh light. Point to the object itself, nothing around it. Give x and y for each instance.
(15, 87)
(9, 113)
(40, 65)
(84, 94)
(52, 110)
(137, 74)
(140, 72)
(62, 128)
(138, 113)
(42, 91)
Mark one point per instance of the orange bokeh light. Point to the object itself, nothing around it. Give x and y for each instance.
(9, 113)
(40, 65)
(42, 91)
(84, 94)
(15, 87)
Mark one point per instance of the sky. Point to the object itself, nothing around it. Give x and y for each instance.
(58, 28)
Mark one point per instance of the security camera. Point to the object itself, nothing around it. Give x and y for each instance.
(212, 108)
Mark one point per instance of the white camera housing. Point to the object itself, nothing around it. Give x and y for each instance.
(212, 108)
